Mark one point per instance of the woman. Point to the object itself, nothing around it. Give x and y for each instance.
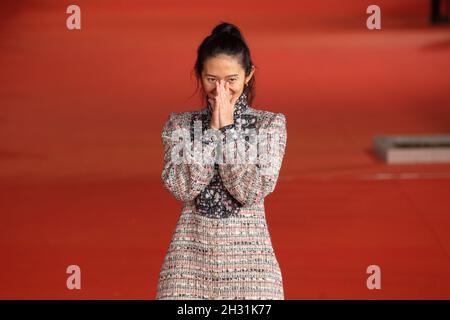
(221, 247)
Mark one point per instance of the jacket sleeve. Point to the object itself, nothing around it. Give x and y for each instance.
(184, 176)
(250, 182)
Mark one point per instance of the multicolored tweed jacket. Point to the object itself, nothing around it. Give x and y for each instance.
(221, 247)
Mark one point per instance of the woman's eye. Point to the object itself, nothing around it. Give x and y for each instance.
(214, 80)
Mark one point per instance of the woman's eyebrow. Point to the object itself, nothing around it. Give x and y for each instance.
(231, 75)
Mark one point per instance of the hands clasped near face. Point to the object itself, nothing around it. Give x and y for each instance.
(222, 106)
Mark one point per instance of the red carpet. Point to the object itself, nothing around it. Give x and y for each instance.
(81, 114)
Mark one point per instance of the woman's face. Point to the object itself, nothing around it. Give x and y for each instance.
(224, 67)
